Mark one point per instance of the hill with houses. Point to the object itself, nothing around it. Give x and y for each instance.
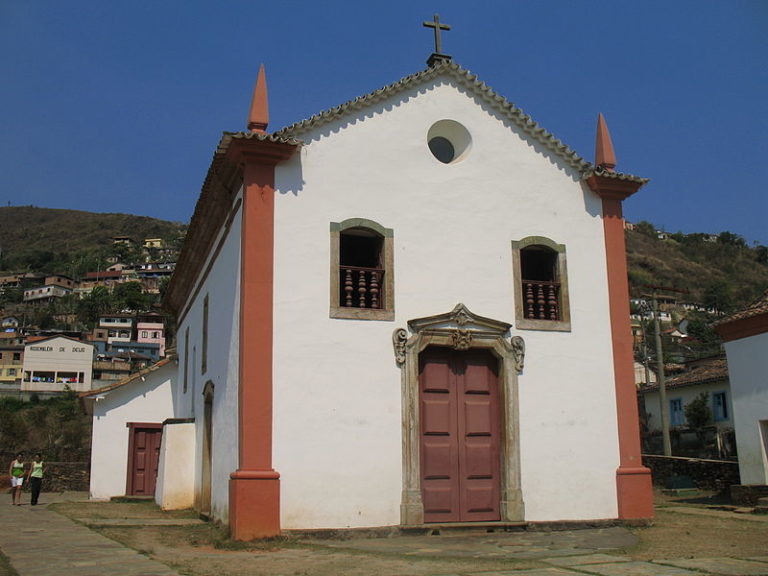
(73, 242)
(718, 271)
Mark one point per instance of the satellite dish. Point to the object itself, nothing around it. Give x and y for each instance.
(683, 327)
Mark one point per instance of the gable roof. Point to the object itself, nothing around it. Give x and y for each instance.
(224, 174)
(471, 82)
(140, 375)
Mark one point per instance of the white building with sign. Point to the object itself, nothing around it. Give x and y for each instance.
(57, 363)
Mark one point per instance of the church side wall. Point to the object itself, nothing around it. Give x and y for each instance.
(110, 435)
(338, 443)
(222, 286)
(747, 367)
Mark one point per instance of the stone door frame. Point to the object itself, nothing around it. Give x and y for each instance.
(460, 329)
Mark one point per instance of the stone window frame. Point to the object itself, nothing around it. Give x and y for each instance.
(523, 323)
(388, 288)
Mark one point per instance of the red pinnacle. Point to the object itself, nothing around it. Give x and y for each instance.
(258, 118)
(604, 154)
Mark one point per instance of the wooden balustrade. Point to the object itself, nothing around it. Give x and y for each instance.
(361, 287)
(541, 300)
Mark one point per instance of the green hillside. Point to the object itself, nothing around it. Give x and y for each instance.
(721, 270)
(717, 270)
(71, 242)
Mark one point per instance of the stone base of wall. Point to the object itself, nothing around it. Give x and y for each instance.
(748, 494)
(716, 475)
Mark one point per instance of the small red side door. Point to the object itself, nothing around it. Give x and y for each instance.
(143, 458)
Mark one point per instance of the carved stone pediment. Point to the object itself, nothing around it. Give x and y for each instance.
(459, 320)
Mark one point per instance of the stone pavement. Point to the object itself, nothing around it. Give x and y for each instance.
(561, 553)
(40, 542)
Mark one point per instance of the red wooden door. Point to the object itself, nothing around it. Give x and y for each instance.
(144, 457)
(459, 410)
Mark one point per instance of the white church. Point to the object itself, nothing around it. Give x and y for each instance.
(409, 310)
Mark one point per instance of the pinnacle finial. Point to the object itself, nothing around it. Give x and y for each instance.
(605, 157)
(258, 117)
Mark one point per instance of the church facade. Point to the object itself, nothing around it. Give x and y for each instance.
(410, 309)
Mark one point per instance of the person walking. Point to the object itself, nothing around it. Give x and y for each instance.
(35, 477)
(16, 472)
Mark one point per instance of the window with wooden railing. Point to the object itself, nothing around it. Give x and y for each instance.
(541, 287)
(362, 285)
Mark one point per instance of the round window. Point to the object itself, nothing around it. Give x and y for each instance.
(448, 141)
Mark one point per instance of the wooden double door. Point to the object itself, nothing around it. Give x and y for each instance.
(460, 435)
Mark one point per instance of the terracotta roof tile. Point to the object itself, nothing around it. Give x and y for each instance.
(759, 306)
(713, 371)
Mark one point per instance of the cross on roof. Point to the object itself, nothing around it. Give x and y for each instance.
(437, 26)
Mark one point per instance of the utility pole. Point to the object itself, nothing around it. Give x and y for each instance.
(660, 379)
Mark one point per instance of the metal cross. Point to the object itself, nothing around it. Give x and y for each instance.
(437, 26)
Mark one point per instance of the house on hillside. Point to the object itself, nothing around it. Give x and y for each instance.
(11, 362)
(150, 329)
(55, 364)
(746, 345)
(53, 287)
(704, 376)
(401, 311)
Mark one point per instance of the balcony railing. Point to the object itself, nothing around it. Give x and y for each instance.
(542, 300)
(361, 287)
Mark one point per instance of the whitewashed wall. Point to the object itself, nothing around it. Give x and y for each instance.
(222, 284)
(175, 488)
(337, 388)
(137, 401)
(748, 371)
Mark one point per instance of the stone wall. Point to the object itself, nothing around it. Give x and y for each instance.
(716, 475)
(748, 494)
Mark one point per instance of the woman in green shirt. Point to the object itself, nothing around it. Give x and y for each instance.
(35, 477)
(16, 472)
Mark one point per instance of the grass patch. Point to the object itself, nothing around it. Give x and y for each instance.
(5, 566)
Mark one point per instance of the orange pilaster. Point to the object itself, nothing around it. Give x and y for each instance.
(254, 488)
(633, 480)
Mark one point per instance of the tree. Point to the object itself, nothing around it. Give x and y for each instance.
(94, 305)
(645, 227)
(761, 254)
(731, 239)
(698, 414)
(131, 296)
(719, 295)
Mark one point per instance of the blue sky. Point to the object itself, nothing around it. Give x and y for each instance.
(117, 106)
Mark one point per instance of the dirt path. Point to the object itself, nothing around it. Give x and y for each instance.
(201, 549)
